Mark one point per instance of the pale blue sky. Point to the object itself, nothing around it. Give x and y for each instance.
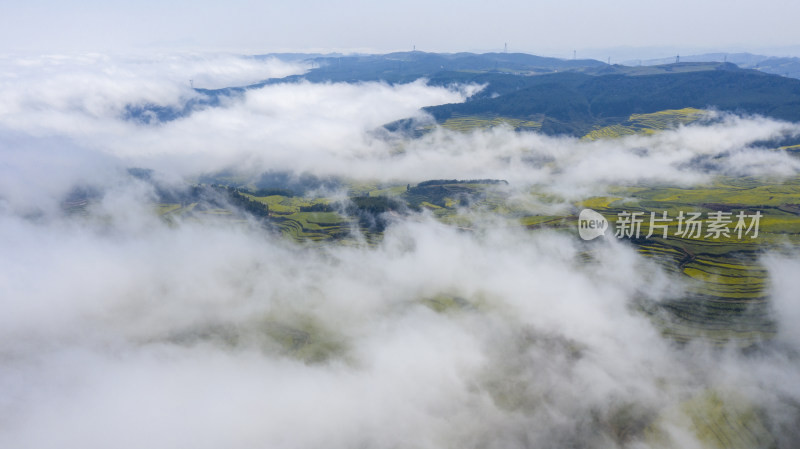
(530, 26)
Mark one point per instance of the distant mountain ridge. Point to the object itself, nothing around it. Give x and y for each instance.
(784, 66)
(409, 66)
(576, 103)
(550, 95)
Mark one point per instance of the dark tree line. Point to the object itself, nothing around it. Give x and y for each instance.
(433, 182)
(236, 198)
(370, 211)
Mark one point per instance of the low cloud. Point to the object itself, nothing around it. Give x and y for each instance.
(120, 329)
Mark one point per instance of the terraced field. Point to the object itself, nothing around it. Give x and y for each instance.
(724, 301)
(721, 420)
(473, 122)
(648, 123)
(305, 219)
(726, 297)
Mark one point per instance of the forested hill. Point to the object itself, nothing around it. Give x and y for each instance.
(568, 96)
(409, 66)
(573, 103)
(551, 95)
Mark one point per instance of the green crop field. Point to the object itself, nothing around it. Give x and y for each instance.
(648, 123)
(469, 123)
(725, 299)
(719, 420)
(287, 214)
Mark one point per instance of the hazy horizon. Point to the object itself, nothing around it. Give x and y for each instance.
(620, 29)
(157, 294)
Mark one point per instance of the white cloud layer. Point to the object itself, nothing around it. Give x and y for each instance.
(119, 330)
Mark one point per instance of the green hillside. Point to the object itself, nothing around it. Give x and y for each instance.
(562, 96)
(648, 123)
(577, 104)
(725, 300)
